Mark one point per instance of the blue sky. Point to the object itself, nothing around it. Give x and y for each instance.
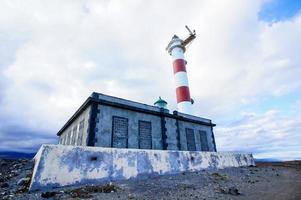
(244, 66)
(277, 10)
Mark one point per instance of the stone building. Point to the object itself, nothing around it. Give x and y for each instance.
(106, 121)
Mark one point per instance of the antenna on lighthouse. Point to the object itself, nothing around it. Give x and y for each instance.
(189, 39)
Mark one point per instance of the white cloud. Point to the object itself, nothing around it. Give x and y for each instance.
(267, 135)
(64, 50)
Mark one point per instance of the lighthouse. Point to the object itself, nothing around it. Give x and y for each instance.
(176, 48)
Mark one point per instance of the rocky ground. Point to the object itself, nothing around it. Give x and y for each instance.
(265, 181)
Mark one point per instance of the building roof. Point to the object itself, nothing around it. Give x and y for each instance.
(134, 106)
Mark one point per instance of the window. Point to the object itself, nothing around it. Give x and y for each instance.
(204, 141)
(68, 138)
(190, 139)
(80, 132)
(145, 134)
(74, 133)
(120, 132)
(60, 140)
(63, 139)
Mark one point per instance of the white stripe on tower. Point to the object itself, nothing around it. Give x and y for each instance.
(176, 49)
(181, 79)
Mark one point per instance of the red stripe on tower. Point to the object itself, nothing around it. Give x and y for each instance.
(183, 94)
(179, 66)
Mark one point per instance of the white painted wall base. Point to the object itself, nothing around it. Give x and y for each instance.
(60, 165)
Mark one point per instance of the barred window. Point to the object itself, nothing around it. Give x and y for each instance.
(74, 133)
(80, 132)
(190, 139)
(120, 132)
(63, 138)
(204, 141)
(68, 138)
(145, 134)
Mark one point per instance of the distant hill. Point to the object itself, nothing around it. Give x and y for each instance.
(267, 160)
(14, 155)
(275, 160)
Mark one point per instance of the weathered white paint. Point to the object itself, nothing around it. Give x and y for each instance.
(185, 107)
(61, 165)
(177, 53)
(181, 79)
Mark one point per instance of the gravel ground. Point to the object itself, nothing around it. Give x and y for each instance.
(265, 181)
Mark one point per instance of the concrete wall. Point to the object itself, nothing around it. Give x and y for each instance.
(196, 128)
(104, 129)
(171, 132)
(175, 130)
(61, 165)
(168, 131)
(72, 135)
(104, 126)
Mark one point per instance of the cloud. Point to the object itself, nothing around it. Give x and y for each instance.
(56, 53)
(241, 57)
(267, 135)
(18, 137)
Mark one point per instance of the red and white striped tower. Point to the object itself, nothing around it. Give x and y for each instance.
(176, 48)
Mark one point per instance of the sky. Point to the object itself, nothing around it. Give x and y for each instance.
(243, 67)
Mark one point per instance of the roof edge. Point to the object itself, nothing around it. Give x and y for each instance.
(94, 98)
(78, 111)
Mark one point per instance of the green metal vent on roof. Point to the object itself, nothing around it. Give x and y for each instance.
(161, 103)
